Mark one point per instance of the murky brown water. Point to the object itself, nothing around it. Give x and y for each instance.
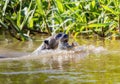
(93, 62)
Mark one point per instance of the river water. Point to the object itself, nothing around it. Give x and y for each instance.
(92, 62)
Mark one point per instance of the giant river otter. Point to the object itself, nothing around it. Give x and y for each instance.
(59, 40)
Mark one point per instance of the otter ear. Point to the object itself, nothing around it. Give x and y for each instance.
(46, 42)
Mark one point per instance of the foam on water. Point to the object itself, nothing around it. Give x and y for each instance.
(78, 52)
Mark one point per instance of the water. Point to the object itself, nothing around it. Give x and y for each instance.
(93, 62)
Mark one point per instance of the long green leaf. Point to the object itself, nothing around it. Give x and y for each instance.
(3, 24)
(30, 20)
(18, 19)
(69, 28)
(5, 6)
(109, 9)
(13, 24)
(25, 19)
(93, 3)
(76, 13)
(27, 15)
(98, 25)
(59, 5)
(40, 8)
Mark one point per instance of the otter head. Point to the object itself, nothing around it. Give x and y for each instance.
(64, 38)
(63, 42)
(51, 42)
(59, 40)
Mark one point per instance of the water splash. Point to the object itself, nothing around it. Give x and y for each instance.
(51, 56)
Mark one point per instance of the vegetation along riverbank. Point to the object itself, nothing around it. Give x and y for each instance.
(22, 19)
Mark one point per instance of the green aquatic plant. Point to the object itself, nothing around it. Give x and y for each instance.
(79, 17)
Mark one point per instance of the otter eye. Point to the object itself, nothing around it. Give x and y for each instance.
(65, 36)
(58, 35)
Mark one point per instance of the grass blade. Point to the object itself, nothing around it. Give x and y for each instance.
(59, 5)
(39, 5)
(97, 25)
(5, 6)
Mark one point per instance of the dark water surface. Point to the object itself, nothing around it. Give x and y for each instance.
(93, 64)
